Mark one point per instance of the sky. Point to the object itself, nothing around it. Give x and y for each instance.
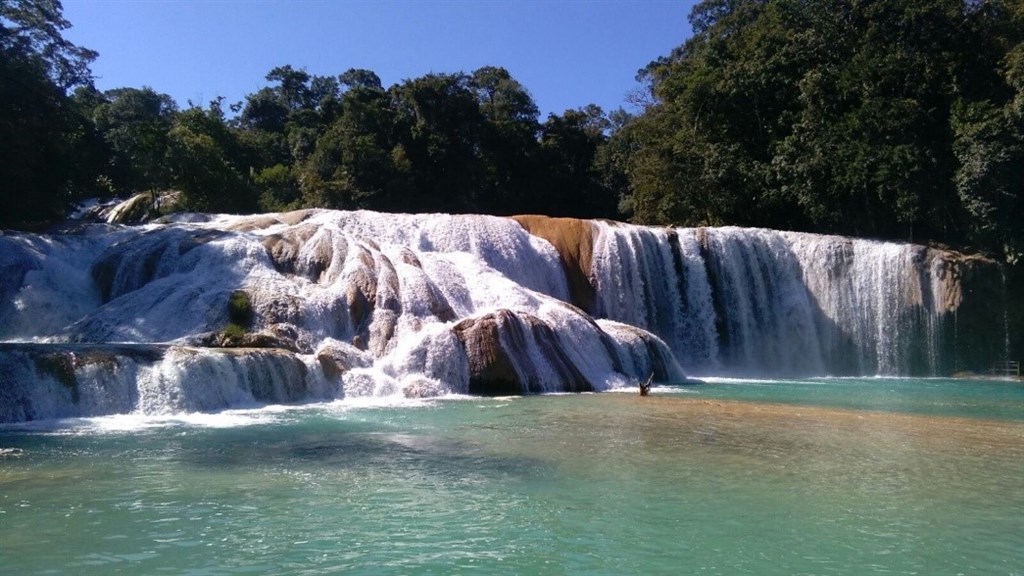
(566, 53)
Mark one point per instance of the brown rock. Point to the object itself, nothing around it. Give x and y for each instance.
(492, 364)
(262, 221)
(574, 241)
(491, 371)
(284, 250)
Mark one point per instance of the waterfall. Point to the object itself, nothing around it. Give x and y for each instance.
(742, 301)
(60, 381)
(108, 319)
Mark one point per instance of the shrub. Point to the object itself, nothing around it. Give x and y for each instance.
(233, 332)
(240, 310)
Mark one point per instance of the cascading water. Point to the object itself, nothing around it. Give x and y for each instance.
(349, 304)
(63, 380)
(741, 301)
(360, 303)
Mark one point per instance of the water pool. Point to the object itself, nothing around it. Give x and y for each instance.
(733, 477)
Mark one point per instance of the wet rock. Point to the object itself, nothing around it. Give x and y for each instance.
(574, 241)
(502, 348)
(261, 339)
(491, 370)
(142, 207)
(336, 358)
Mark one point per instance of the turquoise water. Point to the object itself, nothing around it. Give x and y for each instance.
(816, 477)
(933, 396)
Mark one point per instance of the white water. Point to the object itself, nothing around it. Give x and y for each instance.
(763, 302)
(384, 296)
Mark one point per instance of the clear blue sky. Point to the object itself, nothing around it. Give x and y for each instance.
(566, 53)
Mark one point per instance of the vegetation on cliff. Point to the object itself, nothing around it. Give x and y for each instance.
(900, 119)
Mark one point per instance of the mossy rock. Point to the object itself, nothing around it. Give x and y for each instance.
(233, 333)
(61, 367)
(240, 313)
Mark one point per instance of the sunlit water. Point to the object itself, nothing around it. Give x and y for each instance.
(804, 477)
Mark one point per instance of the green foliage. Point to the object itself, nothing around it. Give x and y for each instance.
(240, 312)
(508, 146)
(200, 153)
(30, 32)
(893, 119)
(572, 184)
(455, 143)
(351, 165)
(439, 125)
(233, 332)
(44, 140)
(990, 176)
(278, 189)
(135, 125)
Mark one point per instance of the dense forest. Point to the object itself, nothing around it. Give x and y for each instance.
(898, 119)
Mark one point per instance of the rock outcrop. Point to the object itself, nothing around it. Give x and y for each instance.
(141, 207)
(574, 241)
(68, 380)
(506, 350)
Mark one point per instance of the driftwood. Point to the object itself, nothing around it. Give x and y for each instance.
(645, 387)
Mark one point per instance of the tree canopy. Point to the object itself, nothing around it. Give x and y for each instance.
(42, 135)
(895, 119)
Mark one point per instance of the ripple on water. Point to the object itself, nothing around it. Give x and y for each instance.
(603, 484)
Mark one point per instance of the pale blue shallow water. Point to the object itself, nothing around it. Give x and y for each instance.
(802, 477)
(933, 396)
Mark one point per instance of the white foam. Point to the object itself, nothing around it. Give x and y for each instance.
(389, 289)
(135, 422)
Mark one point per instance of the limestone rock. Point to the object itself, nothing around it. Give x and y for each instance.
(142, 207)
(574, 241)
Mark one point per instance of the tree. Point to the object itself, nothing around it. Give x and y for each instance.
(509, 147)
(135, 123)
(278, 189)
(356, 162)
(201, 154)
(264, 110)
(572, 184)
(439, 127)
(284, 121)
(988, 136)
(890, 119)
(357, 78)
(30, 31)
(44, 141)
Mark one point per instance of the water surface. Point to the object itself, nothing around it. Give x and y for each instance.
(812, 477)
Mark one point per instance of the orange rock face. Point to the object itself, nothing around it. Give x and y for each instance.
(574, 241)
